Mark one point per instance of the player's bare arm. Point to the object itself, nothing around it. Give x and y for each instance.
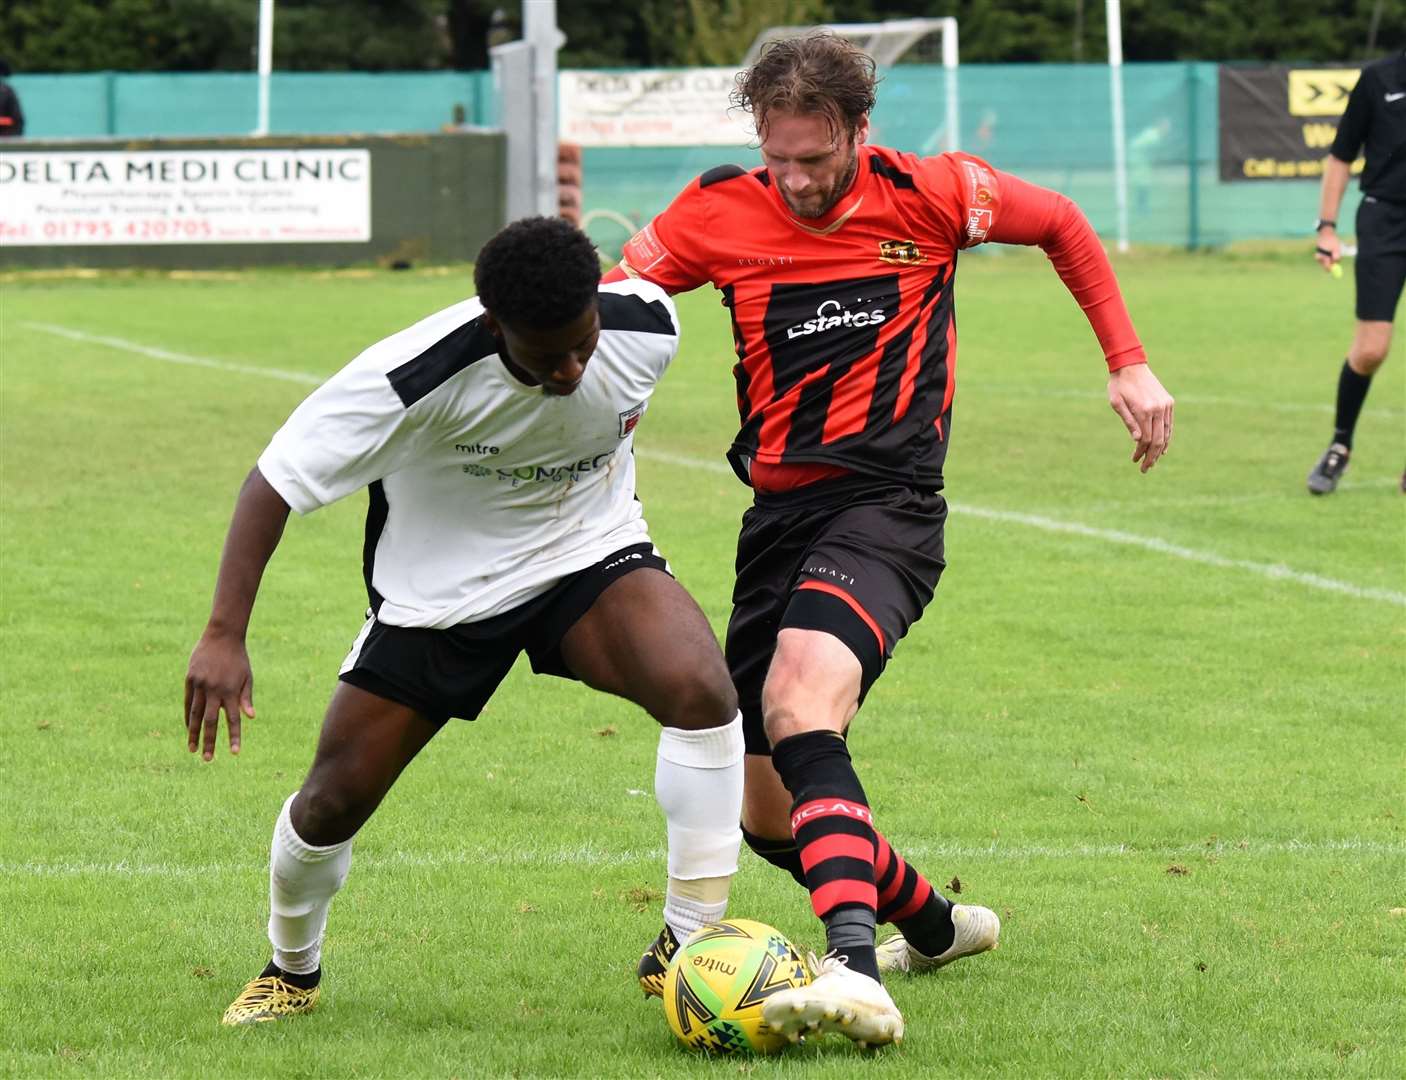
(1328, 245)
(219, 678)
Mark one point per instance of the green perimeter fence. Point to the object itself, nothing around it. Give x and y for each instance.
(1050, 123)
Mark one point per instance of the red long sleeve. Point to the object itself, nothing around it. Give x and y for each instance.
(1033, 215)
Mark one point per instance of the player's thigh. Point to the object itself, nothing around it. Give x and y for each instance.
(814, 683)
(365, 743)
(399, 685)
(770, 547)
(645, 639)
(865, 580)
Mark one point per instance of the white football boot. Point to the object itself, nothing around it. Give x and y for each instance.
(837, 999)
(977, 930)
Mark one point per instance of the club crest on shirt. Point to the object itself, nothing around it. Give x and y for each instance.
(900, 252)
(629, 418)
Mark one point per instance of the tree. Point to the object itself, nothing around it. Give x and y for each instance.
(708, 33)
(381, 35)
(128, 35)
(220, 35)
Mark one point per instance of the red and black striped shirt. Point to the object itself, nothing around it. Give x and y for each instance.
(843, 324)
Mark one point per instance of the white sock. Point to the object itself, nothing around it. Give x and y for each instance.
(302, 881)
(685, 917)
(698, 784)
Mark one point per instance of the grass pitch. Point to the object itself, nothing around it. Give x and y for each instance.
(1155, 721)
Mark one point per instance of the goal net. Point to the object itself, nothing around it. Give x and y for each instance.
(929, 41)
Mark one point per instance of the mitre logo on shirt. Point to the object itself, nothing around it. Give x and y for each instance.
(481, 449)
(900, 252)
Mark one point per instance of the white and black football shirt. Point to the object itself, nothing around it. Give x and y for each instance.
(484, 492)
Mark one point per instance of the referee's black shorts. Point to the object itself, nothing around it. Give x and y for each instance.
(1381, 258)
(858, 558)
(453, 672)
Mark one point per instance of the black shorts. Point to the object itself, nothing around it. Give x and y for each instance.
(1381, 258)
(857, 558)
(453, 672)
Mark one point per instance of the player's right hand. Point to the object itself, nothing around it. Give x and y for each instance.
(1329, 249)
(218, 678)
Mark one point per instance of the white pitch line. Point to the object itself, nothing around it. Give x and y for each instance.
(1200, 400)
(1288, 494)
(1271, 571)
(174, 357)
(588, 856)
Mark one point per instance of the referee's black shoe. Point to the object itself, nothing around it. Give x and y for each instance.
(1329, 470)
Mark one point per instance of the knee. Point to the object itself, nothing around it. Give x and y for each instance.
(327, 812)
(699, 700)
(1370, 348)
(1367, 359)
(764, 821)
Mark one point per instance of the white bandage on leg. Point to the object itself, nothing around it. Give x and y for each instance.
(698, 784)
(302, 881)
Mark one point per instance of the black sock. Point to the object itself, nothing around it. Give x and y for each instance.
(782, 854)
(930, 931)
(849, 932)
(302, 982)
(1352, 392)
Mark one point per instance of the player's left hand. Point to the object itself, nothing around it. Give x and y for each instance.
(1146, 408)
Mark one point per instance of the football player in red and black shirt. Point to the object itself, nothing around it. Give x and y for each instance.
(836, 261)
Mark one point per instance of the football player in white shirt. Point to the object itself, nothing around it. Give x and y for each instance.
(495, 438)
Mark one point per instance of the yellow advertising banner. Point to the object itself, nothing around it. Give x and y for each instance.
(1277, 122)
(1320, 91)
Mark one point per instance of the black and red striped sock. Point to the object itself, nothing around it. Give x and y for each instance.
(907, 900)
(834, 833)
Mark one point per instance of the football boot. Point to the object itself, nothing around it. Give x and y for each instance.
(1329, 470)
(270, 997)
(976, 929)
(837, 999)
(655, 962)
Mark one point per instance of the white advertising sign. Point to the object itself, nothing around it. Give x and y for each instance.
(674, 107)
(91, 197)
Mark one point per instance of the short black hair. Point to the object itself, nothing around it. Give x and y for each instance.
(538, 272)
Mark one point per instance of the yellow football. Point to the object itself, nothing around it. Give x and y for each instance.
(716, 984)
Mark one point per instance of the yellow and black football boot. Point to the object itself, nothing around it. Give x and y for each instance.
(655, 962)
(272, 996)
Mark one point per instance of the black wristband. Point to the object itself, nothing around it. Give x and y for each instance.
(1325, 223)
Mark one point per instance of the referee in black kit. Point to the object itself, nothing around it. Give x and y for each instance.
(1375, 123)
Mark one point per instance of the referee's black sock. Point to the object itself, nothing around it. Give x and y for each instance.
(1352, 392)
